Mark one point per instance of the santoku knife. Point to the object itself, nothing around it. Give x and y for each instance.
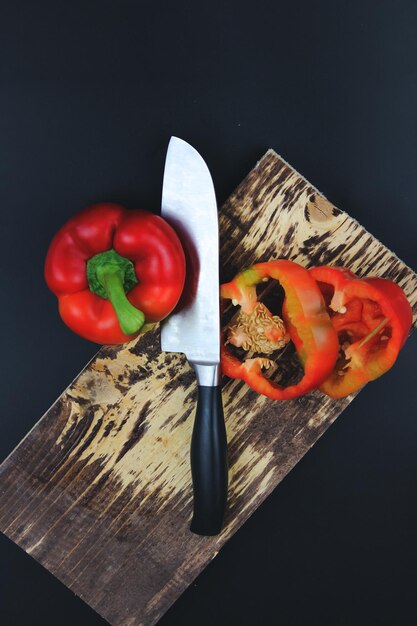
(189, 205)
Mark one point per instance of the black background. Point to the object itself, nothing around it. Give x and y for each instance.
(90, 94)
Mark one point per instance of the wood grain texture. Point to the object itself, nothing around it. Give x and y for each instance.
(99, 491)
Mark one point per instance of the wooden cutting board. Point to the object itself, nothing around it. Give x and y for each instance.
(99, 491)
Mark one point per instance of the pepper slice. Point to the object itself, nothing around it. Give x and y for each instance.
(372, 318)
(306, 321)
(114, 270)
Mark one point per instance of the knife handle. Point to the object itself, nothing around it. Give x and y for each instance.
(209, 467)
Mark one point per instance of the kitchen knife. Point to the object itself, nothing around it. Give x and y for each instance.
(189, 205)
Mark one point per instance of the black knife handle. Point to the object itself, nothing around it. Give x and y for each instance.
(209, 465)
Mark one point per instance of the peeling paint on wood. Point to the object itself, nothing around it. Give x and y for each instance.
(99, 492)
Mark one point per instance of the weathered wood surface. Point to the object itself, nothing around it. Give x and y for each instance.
(99, 492)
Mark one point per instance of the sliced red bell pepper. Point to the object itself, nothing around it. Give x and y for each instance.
(372, 317)
(306, 322)
(114, 269)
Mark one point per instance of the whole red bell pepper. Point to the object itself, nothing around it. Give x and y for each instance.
(113, 270)
(305, 321)
(372, 318)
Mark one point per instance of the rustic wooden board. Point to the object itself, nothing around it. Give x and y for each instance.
(99, 491)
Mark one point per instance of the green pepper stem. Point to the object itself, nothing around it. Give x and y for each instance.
(130, 319)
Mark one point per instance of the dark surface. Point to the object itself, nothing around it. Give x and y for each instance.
(90, 94)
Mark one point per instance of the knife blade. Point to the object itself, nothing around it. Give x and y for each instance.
(189, 205)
